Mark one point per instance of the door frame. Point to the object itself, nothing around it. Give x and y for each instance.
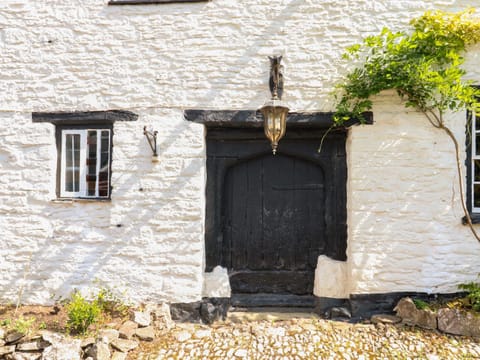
(245, 125)
(219, 161)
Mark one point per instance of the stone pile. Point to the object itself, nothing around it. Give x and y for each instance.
(109, 344)
(447, 320)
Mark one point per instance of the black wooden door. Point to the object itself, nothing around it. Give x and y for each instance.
(270, 217)
(274, 224)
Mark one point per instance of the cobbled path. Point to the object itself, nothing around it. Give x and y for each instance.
(307, 339)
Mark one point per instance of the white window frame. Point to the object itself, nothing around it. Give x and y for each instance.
(83, 190)
(475, 156)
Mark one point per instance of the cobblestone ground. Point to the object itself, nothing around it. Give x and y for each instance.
(306, 339)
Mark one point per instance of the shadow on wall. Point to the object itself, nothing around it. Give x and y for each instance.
(405, 232)
(133, 241)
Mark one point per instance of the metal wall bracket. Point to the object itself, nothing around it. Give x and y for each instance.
(152, 140)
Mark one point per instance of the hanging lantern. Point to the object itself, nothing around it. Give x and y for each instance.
(275, 111)
(275, 121)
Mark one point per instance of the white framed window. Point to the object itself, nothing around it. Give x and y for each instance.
(85, 158)
(475, 163)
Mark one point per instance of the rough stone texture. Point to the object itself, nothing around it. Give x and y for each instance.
(145, 333)
(410, 315)
(33, 345)
(13, 337)
(385, 319)
(62, 348)
(87, 342)
(27, 356)
(108, 335)
(457, 322)
(7, 349)
(100, 351)
(124, 345)
(127, 330)
(142, 318)
(119, 356)
(161, 316)
(335, 284)
(404, 229)
(217, 283)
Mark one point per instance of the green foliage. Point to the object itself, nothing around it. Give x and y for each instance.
(420, 304)
(23, 325)
(423, 66)
(110, 303)
(473, 296)
(81, 313)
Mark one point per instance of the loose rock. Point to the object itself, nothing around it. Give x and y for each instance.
(457, 322)
(61, 348)
(127, 330)
(39, 344)
(202, 333)
(385, 319)
(119, 356)
(124, 345)
(410, 315)
(183, 336)
(4, 350)
(141, 318)
(108, 334)
(13, 337)
(87, 342)
(146, 333)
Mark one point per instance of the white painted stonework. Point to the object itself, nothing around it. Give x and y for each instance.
(404, 227)
(216, 283)
(331, 278)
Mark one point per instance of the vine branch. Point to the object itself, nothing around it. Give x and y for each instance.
(424, 67)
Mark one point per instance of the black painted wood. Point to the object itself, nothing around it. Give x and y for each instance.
(291, 281)
(475, 217)
(149, 2)
(268, 218)
(253, 118)
(273, 300)
(84, 117)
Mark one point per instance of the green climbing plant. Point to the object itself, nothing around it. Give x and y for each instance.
(422, 65)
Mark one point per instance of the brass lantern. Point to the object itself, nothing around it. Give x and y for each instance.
(275, 121)
(275, 110)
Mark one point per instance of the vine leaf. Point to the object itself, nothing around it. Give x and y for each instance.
(423, 66)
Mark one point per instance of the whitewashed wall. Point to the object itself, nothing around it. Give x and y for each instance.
(79, 55)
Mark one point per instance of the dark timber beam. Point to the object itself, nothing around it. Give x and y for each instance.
(82, 117)
(253, 118)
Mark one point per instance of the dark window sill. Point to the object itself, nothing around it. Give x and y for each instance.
(475, 219)
(148, 2)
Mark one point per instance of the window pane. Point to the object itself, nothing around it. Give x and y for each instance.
(104, 164)
(477, 144)
(91, 162)
(476, 195)
(72, 162)
(477, 170)
(477, 122)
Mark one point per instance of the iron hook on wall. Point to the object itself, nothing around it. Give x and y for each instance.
(152, 141)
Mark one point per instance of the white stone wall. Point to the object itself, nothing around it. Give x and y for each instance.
(79, 55)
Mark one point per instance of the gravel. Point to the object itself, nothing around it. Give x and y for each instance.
(308, 338)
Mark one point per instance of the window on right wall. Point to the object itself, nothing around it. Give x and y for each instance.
(473, 165)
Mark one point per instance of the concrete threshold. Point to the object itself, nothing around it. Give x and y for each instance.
(270, 314)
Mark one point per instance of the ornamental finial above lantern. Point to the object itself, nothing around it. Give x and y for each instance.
(275, 110)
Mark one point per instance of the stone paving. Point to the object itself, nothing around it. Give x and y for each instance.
(305, 337)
